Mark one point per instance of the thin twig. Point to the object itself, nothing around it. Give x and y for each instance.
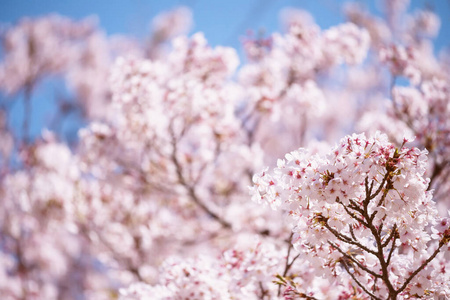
(359, 283)
(288, 264)
(441, 243)
(348, 240)
(361, 266)
(391, 251)
(352, 214)
(393, 233)
(190, 189)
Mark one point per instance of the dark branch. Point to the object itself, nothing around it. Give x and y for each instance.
(191, 190)
(350, 257)
(380, 188)
(392, 250)
(359, 283)
(352, 214)
(348, 240)
(441, 243)
(393, 233)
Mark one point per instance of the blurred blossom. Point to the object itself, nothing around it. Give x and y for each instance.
(40, 47)
(170, 24)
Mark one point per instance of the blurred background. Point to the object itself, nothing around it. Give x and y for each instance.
(223, 23)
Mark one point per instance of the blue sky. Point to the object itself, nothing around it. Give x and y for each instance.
(222, 21)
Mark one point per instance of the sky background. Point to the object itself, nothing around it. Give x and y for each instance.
(223, 22)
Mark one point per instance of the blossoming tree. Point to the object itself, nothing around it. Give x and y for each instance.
(152, 201)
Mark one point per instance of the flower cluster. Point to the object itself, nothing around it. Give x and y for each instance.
(361, 209)
(237, 274)
(37, 47)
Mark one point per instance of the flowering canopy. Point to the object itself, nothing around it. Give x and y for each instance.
(151, 201)
(362, 208)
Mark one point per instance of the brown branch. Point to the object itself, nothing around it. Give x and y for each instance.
(350, 228)
(372, 196)
(438, 168)
(366, 185)
(352, 214)
(288, 264)
(191, 189)
(392, 250)
(353, 205)
(393, 233)
(441, 243)
(380, 227)
(359, 283)
(377, 234)
(348, 240)
(264, 292)
(361, 266)
(304, 296)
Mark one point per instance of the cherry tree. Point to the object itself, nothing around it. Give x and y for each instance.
(178, 185)
(362, 210)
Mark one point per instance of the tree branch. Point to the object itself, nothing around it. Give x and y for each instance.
(441, 243)
(359, 283)
(393, 233)
(391, 251)
(190, 189)
(352, 214)
(348, 240)
(288, 264)
(348, 256)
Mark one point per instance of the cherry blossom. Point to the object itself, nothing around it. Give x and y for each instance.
(151, 199)
(362, 208)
